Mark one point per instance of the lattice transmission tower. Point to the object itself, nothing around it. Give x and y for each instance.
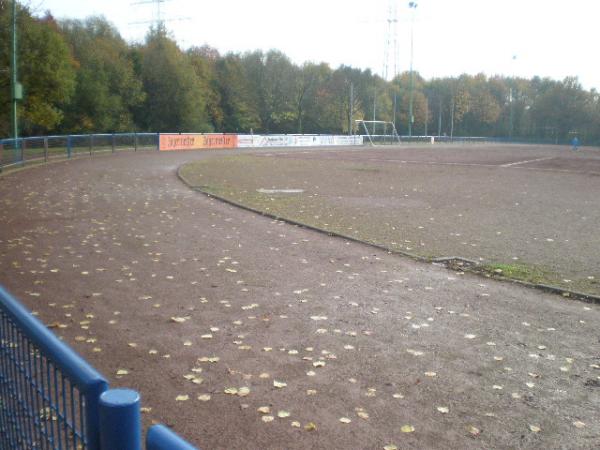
(158, 18)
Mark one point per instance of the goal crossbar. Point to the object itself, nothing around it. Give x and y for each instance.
(392, 127)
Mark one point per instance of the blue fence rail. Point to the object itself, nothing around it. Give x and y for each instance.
(15, 152)
(51, 398)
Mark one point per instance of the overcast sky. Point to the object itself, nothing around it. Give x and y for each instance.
(549, 37)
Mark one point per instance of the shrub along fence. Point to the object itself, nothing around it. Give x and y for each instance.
(51, 398)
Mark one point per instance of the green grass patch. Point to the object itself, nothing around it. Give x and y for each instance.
(520, 272)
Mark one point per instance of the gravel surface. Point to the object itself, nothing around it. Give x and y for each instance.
(532, 210)
(244, 332)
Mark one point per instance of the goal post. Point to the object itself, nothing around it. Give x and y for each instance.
(380, 132)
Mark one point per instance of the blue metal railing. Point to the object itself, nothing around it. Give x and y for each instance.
(45, 148)
(51, 398)
(160, 437)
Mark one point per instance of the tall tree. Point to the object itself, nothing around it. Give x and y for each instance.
(46, 70)
(204, 60)
(108, 90)
(176, 100)
(239, 105)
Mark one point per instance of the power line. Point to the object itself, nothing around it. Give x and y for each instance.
(158, 20)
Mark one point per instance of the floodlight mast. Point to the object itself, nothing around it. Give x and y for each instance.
(411, 117)
(511, 101)
(15, 87)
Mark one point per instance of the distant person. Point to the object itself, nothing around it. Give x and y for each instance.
(575, 144)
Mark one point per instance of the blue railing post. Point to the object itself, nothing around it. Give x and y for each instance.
(120, 420)
(160, 437)
(158, 141)
(23, 145)
(45, 149)
(92, 415)
(69, 146)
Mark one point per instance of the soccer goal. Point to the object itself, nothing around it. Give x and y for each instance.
(378, 131)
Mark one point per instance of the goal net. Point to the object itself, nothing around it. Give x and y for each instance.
(378, 132)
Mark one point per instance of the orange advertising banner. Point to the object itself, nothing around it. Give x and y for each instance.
(172, 142)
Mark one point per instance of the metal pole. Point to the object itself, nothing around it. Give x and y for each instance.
(23, 146)
(45, 149)
(160, 437)
(14, 76)
(411, 118)
(510, 123)
(452, 120)
(395, 108)
(374, 111)
(426, 116)
(350, 127)
(510, 100)
(120, 420)
(440, 118)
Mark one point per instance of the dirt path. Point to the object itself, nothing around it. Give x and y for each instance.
(195, 298)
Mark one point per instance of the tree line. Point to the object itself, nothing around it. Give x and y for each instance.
(81, 76)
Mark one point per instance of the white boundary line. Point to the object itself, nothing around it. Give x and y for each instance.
(515, 165)
(518, 163)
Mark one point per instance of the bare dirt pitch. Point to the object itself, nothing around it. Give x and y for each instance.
(242, 332)
(526, 212)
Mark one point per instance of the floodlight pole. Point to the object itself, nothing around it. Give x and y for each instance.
(426, 116)
(351, 116)
(510, 99)
(14, 82)
(374, 109)
(411, 118)
(395, 107)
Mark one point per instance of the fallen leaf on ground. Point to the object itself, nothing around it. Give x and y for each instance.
(179, 319)
(243, 391)
(474, 431)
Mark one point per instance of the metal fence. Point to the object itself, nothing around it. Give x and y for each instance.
(388, 139)
(50, 398)
(46, 148)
